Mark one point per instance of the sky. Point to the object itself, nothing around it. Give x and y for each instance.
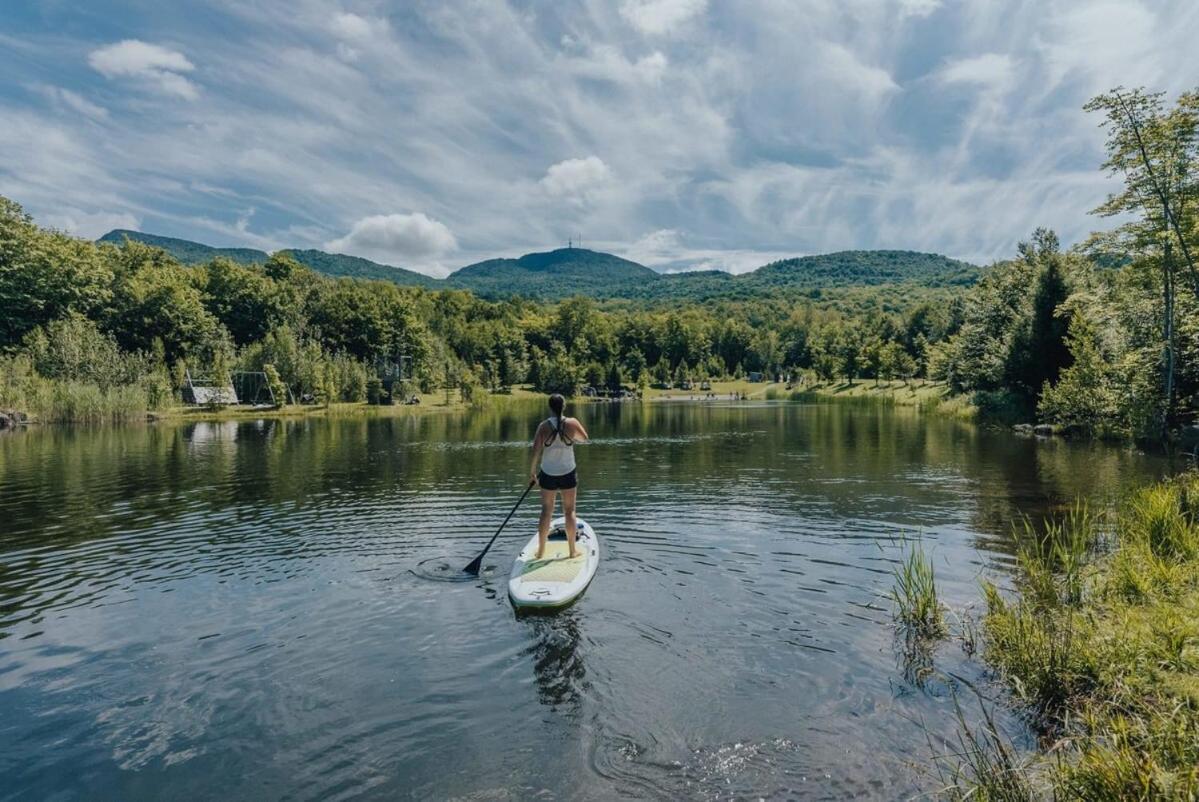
(684, 134)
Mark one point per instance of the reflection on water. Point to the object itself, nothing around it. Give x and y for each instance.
(245, 609)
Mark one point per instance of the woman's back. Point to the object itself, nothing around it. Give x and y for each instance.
(558, 455)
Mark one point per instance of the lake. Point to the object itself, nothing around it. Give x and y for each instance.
(261, 610)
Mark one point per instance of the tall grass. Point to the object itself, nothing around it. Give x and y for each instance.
(917, 606)
(987, 768)
(70, 401)
(1104, 647)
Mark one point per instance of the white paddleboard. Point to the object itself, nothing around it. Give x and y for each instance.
(554, 580)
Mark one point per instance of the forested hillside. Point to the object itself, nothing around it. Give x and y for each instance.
(564, 272)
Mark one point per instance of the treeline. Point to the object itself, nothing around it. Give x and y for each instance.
(132, 321)
(1103, 339)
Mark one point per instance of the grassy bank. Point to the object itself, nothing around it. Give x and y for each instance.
(1100, 643)
(926, 395)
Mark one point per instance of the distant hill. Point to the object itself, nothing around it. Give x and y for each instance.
(577, 271)
(865, 267)
(553, 274)
(186, 251)
(339, 264)
(331, 264)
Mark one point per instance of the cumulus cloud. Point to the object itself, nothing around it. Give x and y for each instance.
(576, 179)
(89, 225)
(666, 251)
(154, 65)
(405, 240)
(660, 16)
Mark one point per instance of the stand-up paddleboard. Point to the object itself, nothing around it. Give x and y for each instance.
(554, 580)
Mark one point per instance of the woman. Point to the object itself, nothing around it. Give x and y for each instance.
(554, 454)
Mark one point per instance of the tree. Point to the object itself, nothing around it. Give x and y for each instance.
(635, 363)
(276, 385)
(164, 304)
(615, 378)
(1155, 151)
(1039, 351)
(680, 374)
(894, 362)
(45, 275)
(1084, 397)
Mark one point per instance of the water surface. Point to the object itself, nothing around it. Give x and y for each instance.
(250, 610)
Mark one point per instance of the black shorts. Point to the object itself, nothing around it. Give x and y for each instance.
(567, 481)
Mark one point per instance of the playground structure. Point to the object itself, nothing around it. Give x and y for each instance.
(245, 387)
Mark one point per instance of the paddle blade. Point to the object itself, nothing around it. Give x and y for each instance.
(474, 566)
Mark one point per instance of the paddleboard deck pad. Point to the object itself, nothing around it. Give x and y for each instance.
(555, 580)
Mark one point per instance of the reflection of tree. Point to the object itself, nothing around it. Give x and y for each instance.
(65, 486)
(557, 661)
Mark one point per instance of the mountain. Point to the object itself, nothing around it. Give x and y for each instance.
(338, 264)
(577, 271)
(864, 267)
(186, 251)
(553, 274)
(331, 264)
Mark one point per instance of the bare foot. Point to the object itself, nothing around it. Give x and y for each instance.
(573, 554)
(540, 551)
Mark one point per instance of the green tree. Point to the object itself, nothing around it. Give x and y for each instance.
(1084, 397)
(45, 275)
(1154, 149)
(615, 379)
(275, 382)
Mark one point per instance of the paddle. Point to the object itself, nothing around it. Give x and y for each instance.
(477, 562)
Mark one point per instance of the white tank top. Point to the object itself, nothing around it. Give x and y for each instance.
(558, 458)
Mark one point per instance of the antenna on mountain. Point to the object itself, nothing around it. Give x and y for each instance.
(569, 244)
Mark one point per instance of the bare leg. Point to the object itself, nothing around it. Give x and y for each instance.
(543, 524)
(568, 509)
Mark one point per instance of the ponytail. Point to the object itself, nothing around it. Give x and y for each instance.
(557, 405)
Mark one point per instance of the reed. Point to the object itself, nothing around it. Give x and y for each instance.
(917, 606)
(986, 766)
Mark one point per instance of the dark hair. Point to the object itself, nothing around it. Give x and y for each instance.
(557, 404)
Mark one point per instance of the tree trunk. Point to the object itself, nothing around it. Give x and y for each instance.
(1168, 337)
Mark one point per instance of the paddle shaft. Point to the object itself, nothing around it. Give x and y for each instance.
(477, 562)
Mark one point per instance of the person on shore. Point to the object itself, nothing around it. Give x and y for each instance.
(553, 469)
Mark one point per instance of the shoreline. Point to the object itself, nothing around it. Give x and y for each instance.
(928, 396)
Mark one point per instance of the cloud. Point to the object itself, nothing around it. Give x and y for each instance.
(918, 8)
(66, 100)
(355, 33)
(89, 225)
(405, 240)
(576, 179)
(156, 66)
(665, 251)
(845, 67)
(747, 129)
(355, 28)
(660, 16)
(990, 69)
